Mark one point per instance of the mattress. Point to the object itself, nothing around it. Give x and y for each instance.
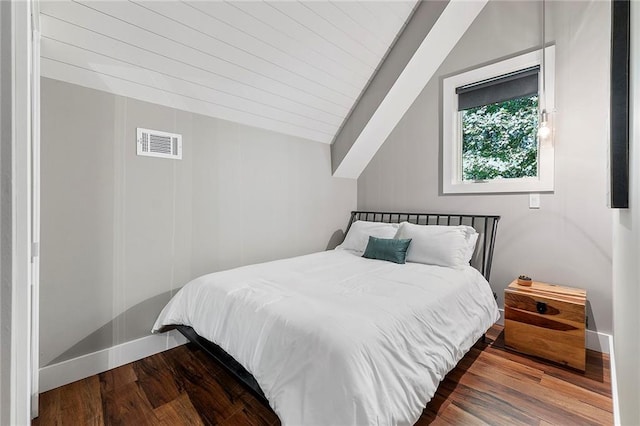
(336, 339)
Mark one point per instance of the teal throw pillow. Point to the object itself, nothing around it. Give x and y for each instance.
(387, 249)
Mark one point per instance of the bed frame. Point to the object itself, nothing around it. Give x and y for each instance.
(486, 226)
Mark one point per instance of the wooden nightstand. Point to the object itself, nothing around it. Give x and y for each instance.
(547, 321)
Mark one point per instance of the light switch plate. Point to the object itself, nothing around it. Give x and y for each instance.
(534, 201)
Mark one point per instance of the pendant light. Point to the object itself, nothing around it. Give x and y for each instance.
(544, 130)
(544, 127)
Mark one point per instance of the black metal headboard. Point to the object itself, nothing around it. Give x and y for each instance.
(487, 226)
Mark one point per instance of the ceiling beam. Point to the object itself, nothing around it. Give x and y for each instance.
(350, 159)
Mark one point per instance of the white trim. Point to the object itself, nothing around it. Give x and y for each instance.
(596, 341)
(65, 372)
(451, 137)
(53, 376)
(599, 342)
(35, 207)
(614, 383)
(445, 33)
(84, 366)
(20, 362)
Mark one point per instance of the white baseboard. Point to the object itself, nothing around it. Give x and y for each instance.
(614, 383)
(596, 341)
(53, 376)
(599, 342)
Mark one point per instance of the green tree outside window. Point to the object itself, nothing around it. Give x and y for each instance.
(499, 141)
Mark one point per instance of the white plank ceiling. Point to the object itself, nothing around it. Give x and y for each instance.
(293, 67)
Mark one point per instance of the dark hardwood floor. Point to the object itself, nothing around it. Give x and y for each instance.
(184, 386)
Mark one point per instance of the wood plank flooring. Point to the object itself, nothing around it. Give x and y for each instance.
(184, 386)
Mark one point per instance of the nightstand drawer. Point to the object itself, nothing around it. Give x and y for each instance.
(546, 321)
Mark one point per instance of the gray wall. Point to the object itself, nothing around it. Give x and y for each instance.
(568, 240)
(626, 253)
(5, 210)
(120, 233)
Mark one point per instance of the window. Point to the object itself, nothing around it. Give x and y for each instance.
(490, 127)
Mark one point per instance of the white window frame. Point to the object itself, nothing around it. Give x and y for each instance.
(452, 182)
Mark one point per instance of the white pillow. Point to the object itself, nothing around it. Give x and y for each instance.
(441, 245)
(472, 238)
(358, 236)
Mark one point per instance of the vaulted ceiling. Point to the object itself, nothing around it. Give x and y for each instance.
(293, 67)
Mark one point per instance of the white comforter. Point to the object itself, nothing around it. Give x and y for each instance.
(336, 339)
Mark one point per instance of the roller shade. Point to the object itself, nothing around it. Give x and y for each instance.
(499, 89)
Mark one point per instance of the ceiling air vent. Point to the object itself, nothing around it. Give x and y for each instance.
(154, 143)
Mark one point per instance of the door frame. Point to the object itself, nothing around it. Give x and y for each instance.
(24, 178)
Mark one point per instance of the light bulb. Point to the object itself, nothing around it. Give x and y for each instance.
(544, 131)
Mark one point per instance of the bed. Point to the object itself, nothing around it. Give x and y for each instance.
(334, 338)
